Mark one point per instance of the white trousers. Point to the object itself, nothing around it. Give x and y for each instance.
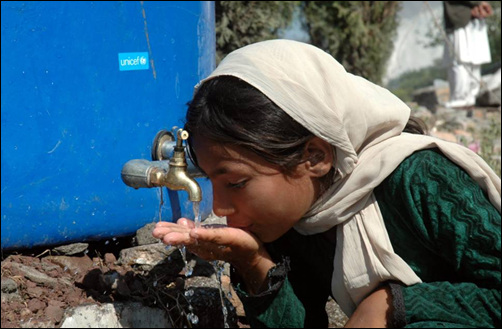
(468, 48)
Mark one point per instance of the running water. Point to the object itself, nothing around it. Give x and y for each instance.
(188, 266)
(217, 265)
(196, 213)
(161, 203)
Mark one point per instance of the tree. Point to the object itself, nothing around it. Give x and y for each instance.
(239, 23)
(359, 34)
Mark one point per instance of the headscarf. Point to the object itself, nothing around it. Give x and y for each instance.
(364, 124)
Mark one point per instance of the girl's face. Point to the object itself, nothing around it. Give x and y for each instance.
(252, 193)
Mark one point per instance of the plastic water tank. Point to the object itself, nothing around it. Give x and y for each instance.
(85, 88)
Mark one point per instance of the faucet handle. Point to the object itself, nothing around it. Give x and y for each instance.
(179, 132)
(182, 134)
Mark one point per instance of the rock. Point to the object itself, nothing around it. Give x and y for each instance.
(115, 315)
(337, 318)
(36, 276)
(490, 92)
(432, 96)
(34, 305)
(76, 266)
(9, 285)
(71, 249)
(54, 313)
(144, 235)
(110, 259)
(147, 256)
(10, 291)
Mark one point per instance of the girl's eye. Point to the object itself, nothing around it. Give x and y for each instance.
(240, 184)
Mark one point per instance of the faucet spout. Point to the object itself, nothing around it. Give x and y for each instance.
(178, 179)
(174, 174)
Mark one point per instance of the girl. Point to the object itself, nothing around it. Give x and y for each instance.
(329, 188)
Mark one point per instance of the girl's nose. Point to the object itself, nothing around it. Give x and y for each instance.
(222, 206)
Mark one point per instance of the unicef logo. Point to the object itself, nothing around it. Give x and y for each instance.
(133, 61)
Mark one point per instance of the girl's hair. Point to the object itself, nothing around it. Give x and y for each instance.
(228, 110)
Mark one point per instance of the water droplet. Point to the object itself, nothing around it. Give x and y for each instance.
(194, 319)
(189, 293)
(155, 283)
(106, 242)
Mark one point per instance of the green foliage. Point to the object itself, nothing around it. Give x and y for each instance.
(488, 152)
(359, 34)
(493, 23)
(239, 23)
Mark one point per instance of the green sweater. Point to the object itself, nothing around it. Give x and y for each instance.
(439, 221)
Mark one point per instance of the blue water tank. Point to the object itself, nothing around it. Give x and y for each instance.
(85, 88)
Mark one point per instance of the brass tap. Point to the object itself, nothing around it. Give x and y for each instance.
(176, 177)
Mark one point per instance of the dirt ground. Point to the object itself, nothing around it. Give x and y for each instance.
(38, 286)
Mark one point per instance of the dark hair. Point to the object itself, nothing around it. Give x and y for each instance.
(228, 110)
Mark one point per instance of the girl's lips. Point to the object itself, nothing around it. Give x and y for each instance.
(244, 228)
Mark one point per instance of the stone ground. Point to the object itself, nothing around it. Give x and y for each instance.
(40, 286)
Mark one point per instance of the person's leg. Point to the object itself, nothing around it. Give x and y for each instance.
(475, 82)
(460, 84)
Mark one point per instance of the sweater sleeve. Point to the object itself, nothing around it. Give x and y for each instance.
(443, 225)
(298, 286)
(277, 307)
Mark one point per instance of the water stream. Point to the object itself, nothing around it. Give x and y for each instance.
(188, 270)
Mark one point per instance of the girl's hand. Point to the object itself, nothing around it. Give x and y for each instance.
(240, 248)
(233, 245)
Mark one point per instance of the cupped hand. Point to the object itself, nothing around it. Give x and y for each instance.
(233, 245)
(236, 246)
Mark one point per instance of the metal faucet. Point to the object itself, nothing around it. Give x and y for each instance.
(174, 174)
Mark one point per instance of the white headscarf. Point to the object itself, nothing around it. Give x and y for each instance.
(364, 123)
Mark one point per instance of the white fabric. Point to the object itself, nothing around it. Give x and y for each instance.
(464, 83)
(470, 44)
(363, 122)
(467, 49)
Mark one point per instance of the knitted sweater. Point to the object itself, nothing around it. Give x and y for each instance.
(438, 220)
